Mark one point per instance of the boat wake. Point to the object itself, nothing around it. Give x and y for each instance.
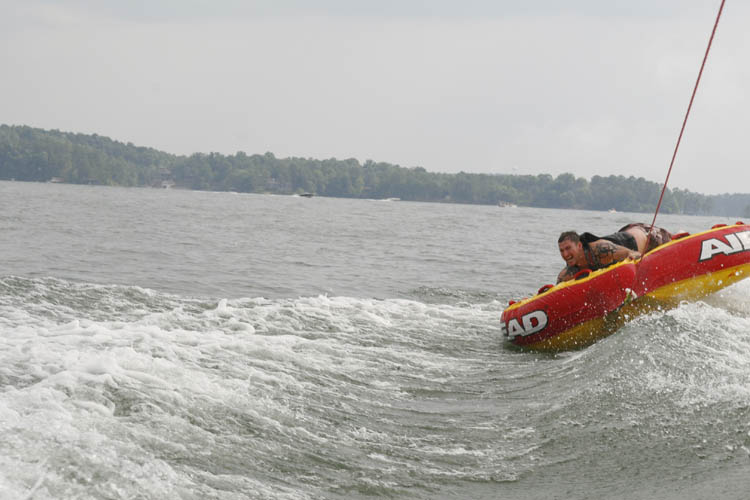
(121, 392)
(124, 392)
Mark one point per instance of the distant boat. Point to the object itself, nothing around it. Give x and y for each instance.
(307, 195)
(612, 211)
(506, 204)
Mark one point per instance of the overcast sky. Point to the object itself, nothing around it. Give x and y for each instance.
(591, 87)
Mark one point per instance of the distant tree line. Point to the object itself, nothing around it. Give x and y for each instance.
(31, 154)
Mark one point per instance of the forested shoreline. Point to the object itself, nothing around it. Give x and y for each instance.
(32, 154)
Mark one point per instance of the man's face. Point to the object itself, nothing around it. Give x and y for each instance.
(572, 253)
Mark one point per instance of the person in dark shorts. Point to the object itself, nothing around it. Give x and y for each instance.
(646, 239)
(588, 251)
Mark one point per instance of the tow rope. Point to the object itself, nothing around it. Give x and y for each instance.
(684, 122)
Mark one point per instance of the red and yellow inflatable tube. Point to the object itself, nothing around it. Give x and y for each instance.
(579, 312)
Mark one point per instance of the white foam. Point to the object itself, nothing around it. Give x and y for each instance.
(706, 357)
(176, 379)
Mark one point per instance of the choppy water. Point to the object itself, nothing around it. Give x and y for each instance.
(171, 344)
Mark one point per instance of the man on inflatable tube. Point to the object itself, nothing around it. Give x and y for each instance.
(587, 251)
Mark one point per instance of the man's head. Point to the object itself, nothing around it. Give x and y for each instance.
(571, 249)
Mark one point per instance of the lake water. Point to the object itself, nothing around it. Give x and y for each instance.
(192, 345)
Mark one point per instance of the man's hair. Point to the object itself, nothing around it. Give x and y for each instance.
(569, 235)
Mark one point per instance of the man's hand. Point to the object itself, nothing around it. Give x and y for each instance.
(567, 273)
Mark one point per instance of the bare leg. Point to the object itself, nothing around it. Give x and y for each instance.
(641, 238)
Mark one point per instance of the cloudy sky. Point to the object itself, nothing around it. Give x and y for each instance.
(592, 87)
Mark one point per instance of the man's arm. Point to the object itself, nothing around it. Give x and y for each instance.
(605, 252)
